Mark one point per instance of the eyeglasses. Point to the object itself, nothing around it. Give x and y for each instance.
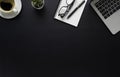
(64, 10)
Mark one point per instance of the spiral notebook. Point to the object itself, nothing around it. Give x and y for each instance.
(75, 18)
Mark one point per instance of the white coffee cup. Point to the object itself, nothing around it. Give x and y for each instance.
(7, 7)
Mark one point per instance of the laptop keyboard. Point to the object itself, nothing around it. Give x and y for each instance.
(107, 7)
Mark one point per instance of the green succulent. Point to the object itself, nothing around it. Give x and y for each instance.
(37, 3)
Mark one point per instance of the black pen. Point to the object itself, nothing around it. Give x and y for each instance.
(76, 9)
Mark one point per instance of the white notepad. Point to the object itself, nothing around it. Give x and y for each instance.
(75, 18)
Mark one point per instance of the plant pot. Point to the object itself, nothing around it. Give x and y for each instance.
(38, 8)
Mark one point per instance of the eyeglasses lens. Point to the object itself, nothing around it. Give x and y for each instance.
(69, 1)
(63, 10)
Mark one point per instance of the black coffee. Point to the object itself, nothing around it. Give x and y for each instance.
(6, 6)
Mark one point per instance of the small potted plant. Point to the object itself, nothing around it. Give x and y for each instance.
(37, 4)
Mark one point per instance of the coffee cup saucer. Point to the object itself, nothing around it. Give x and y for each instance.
(18, 6)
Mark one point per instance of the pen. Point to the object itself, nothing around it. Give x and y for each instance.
(76, 9)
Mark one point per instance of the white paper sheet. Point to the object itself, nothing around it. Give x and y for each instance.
(75, 18)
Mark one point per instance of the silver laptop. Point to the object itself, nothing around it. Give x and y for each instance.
(109, 12)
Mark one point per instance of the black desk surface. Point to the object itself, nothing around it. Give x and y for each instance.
(34, 44)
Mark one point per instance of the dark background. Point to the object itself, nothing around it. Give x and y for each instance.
(34, 44)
